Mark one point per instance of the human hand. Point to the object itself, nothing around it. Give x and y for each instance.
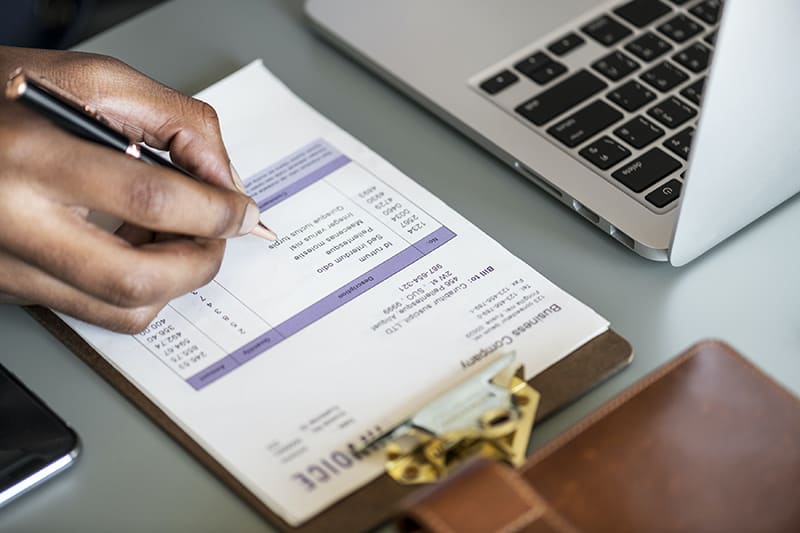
(172, 240)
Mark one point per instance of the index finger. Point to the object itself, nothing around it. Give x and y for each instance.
(146, 195)
(146, 110)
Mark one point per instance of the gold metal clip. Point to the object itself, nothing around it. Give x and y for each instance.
(491, 415)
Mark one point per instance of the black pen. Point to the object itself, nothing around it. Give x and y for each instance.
(86, 123)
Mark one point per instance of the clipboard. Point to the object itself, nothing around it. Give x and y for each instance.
(379, 500)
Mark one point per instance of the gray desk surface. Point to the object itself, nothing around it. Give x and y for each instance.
(133, 477)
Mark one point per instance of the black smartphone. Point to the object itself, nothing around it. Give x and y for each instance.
(35, 444)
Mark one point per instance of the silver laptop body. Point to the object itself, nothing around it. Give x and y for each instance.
(599, 102)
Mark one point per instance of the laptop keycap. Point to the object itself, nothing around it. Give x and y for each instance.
(605, 152)
(648, 47)
(638, 132)
(605, 30)
(646, 170)
(566, 44)
(695, 57)
(672, 112)
(615, 66)
(532, 63)
(707, 11)
(579, 126)
(640, 13)
(561, 97)
(548, 72)
(681, 143)
(665, 194)
(653, 79)
(694, 91)
(499, 81)
(631, 96)
(665, 76)
(680, 28)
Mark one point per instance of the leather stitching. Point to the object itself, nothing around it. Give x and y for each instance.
(431, 518)
(760, 373)
(525, 492)
(532, 515)
(539, 508)
(536, 508)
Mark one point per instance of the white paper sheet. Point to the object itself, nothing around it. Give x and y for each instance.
(376, 298)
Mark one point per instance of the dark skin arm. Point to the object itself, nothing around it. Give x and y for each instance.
(175, 228)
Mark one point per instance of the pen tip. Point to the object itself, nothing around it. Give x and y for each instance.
(260, 230)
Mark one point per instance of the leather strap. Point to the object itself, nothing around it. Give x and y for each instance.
(482, 496)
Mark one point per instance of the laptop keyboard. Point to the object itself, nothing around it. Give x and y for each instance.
(620, 92)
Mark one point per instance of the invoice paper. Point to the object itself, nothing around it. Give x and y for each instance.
(376, 298)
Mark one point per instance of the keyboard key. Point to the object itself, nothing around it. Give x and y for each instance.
(707, 11)
(681, 143)
(665, 76)
(640, 13)
(694, 91)
(711, 38)
(590, 120)
(561, 97)
(672, 112)
(605, 152)
(532, 63)
(566, 44)
(631, 95)
(648, 47)
(606, 30)
(680, 28)
(646, 170)
(498, 82)
(615, 66)
(548, 72)
(665, 194)
(695, 57)
(638, 132)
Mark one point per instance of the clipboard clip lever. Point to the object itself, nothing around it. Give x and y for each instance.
(490, 415)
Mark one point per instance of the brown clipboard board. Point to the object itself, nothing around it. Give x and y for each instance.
(379, 500)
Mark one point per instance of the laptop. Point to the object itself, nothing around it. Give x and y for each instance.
(667, 124)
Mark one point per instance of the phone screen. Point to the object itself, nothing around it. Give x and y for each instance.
(35, 443)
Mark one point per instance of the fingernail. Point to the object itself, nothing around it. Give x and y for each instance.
(250, 220)
(237, 180)
(264, 232)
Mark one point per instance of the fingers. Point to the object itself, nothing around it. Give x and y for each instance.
(27, 285)
(164, 118)
(193, 138)
(50, 254)
(136, 235)
(155, 198)
(136, 105)
(147, 110)
(107, 267)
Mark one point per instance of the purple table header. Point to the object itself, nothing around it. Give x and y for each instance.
(326, 305)
(294, 173)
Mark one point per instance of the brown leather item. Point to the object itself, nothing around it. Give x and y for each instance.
(706, 443)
